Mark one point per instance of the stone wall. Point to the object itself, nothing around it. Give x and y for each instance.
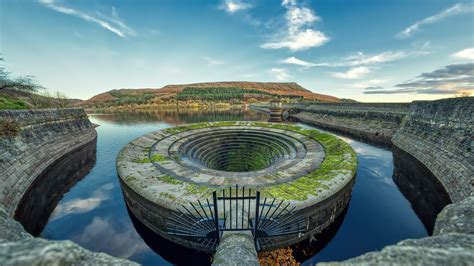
(30, 142)
(440, 134)
(371, 122)
(433, 143)
(44, 136)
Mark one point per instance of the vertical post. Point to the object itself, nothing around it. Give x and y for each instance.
(255, 226)
(216, 216)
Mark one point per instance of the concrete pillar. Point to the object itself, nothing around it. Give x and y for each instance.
(236, 248)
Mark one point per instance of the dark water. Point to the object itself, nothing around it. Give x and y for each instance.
(93, 214)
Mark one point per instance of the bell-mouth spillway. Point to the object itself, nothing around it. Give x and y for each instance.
(166, 169)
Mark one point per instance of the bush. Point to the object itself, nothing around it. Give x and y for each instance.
(9, 128)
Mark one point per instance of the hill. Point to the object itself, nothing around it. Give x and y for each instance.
(205, 93)
(15, 99)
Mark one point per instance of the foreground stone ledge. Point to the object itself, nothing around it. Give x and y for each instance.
(236, 249)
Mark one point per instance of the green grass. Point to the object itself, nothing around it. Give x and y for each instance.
(10, 103)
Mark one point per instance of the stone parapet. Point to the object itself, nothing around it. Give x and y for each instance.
(42, 137)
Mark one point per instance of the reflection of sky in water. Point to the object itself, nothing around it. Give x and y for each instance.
(378, 214)
(93, 212)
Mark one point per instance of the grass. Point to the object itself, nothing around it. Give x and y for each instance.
(7, 102)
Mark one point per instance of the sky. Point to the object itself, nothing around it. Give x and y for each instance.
(367, 50)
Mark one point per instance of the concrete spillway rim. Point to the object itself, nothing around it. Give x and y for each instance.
(140, 168)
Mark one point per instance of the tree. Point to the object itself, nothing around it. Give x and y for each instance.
(22, 83)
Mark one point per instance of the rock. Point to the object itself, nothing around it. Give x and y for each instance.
(456, 218)
(11, 230)
(448, 249)
(37, 251)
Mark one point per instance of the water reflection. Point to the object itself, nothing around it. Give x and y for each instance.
(43, 195)
(179, 116)
(172, 252)
(426, 194)
(94, 215)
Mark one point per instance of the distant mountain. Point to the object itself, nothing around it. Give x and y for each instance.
(227, 92)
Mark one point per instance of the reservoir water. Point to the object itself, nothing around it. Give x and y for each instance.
(93, 213)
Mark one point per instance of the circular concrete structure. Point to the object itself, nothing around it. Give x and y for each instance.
(162, 170)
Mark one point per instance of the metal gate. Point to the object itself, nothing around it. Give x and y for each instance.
(235, 209)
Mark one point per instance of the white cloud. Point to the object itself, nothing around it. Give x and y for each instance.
(363, 59)
(211, 61)
(353, 73)
(104, 235)
(456, 9)
(298, 32)
(280, 74)
(78, 205)
(370, 83)
(232, 6)
(295, 61)
(113, 24)
(467, 54)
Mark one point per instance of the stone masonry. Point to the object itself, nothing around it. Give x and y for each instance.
(43, 137)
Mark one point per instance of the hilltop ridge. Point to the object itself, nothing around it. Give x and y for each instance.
(228, 92)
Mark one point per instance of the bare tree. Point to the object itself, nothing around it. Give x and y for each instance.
(23, 83)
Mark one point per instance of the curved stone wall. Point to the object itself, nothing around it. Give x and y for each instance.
(165, 169)
(44, 136)
(440, 136)
(34, 141)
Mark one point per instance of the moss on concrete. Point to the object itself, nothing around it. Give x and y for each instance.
(339, 159)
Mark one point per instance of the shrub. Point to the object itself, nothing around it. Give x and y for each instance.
(9, 128)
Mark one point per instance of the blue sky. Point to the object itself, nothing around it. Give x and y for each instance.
(365, 50)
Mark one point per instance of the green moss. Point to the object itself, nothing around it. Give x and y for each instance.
(130, 178)
(201, 191)
(339, 159)
(168, 195)
(155, 158)
(169, 179)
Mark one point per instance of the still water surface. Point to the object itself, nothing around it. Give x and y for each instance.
(93, 213)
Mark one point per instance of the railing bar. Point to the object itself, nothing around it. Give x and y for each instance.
(236, 206)
(284, 218)
(190, 223)
(243, 207)
(204, 210)
(184, 223)
(248, 210)
(230, 207)
(223, 193)
(271, 215)
(197, 212)
(268, 210)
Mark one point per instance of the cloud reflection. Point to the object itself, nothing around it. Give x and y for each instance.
(79, 205)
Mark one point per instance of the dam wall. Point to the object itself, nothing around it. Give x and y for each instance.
(440, 134)
(371, 122)
(32, 140)
(38, 151)
(439, 137)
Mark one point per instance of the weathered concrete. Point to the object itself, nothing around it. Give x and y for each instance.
(158, 176)
(371, 122)
(43, 137)
(440, 136)
(236, 248)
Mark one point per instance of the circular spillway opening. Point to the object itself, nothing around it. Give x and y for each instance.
(193, 165)
(237, 150)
